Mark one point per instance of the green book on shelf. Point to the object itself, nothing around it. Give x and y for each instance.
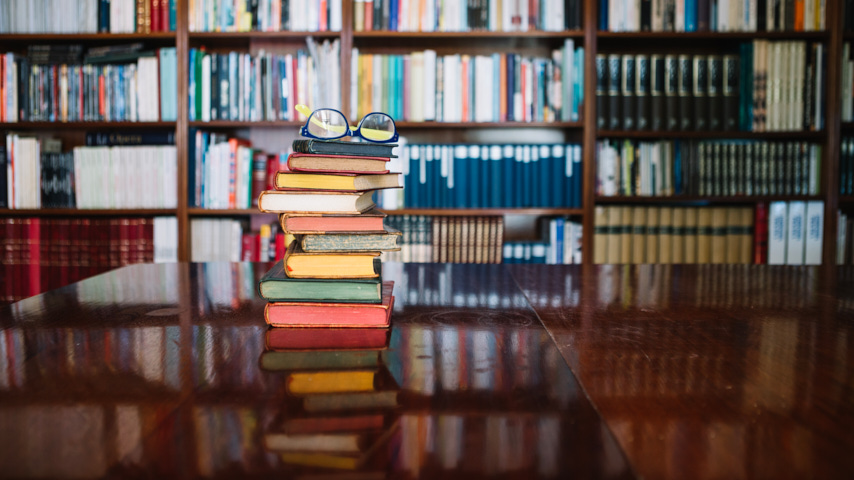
(276, 286)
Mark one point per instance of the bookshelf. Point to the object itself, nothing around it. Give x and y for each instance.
(584, 131)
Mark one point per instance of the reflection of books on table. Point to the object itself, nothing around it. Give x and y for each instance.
(317, 314)
(332, 339)
(366, 446)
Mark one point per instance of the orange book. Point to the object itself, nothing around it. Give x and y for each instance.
(301, 264)
(369, 15)
(799, 15)
(324, 24)
(502, 89)
(339, 315)
(233, 143)
(465, 86)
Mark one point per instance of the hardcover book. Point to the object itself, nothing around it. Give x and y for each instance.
(284, 201)
(276, 286)
(336, 182)
(386, 241)
(290, 339)
(301, 264)
(369, 221)
(339, 315)
(340, 147)
(307, 162)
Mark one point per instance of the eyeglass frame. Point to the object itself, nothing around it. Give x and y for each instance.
(350, 132)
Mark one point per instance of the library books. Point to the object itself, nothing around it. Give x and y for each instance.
(795, 232)
(562, 245)
(88, 16)
(707, 16)
(344, 147)
(281, 201)
(707, 168)
(240, 86)
(235, 240)
(768, 86)
(276, 286)
(440, 239)
(265, 16)
(325, 264)
(313, 163)
(41, 254)
(424, 86)
(436, 16)
(302, 223)
(339, 315)
(336, 181)
(222, 171)
(144, 90)
(487, 176)
(354, 241)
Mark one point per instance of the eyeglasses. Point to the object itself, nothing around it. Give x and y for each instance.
(329, 124)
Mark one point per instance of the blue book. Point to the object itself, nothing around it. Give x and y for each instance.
(546, 169)
(461, 185)
(192, 86)
(392, 16)
(511, 85)
(603, 15)
(484, 177)
(526, 176)
(423, 177)
(507, 161)
(173, 15)
(518, 167)
(578, 83)
(495, 170)
(473, 197)
(558, 175)
(577, 176)
(560, 226)
(429, 199)
(690, 15)
(677, 167)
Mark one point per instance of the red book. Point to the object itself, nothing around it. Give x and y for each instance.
(370, 221)
(309, 314)
(350, 423)
(154, 8)
(327, 338)
(317, 163)
(272, 170)
(760, 235)
(280, 246)
(369, 15)
(32, 255)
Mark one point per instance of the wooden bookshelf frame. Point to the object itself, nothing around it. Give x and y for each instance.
(585, 130)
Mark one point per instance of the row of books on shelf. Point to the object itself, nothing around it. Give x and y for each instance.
(231, 240)
(486, 176)
(562, 247)
(711, 16)
(88, 16)
(265, 15)
(707, 168)
(846, 166)
(41, 254)
(846, 113)
(240, 86)
(424, 86)
(33, 175)
(56, 84)
(488, 15)
(226, 172)
(781, 233)
(769, 86)
(447, 239)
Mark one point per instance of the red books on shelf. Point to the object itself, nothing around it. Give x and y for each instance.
(341, 315)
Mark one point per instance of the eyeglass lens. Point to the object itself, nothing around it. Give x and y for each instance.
(327, 123)
(377, 127)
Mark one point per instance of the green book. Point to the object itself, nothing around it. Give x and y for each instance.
(275, 286)
(351, 242)
(314, 360)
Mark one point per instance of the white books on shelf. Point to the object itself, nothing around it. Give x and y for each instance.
(777, 228)
(796, 234)
(814, 232)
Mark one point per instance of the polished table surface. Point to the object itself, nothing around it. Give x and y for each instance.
(507, 371)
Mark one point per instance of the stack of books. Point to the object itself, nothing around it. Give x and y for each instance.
(331, 274)
(341, 398)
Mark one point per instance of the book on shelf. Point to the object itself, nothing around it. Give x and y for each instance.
(707, 168)
(88, 16)
(305, 223)
(344, 147)
(240, 86)
(338, 315)
(473, 176)
(510, 87)
(707, 16)
(344, 182)
(276, 286)
(467, 239)
(313, 163)
(265, 16)
(282, 201)
(496, 16)
(301, 264)
(288, 339)
(354, 241)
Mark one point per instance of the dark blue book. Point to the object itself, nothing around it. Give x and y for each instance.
(677, 167)
(518, 164)
(460, 177)
(392, 16)
(471, 176)
(506, 176)
(511, 85)
(577, 176)
(173, 15)
(104, 16)
(496, 159)
(544, 170)
(603, 15)
(485, 176)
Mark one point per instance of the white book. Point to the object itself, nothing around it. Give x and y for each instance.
(354, 84)
(335, 21)
(483, 78)
(679, 25)
(377, 92)
(796, 233)
(429, 107)
(814, 232)
(777, 233)
(416, 87)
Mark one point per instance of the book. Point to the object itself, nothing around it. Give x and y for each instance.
(289, 339)
(296, 223)
(336, 402)
(364, 446)
(282, 201)
(330, 381)
(341, 147)
(777, 223)
(339, 315)
(352, 241)
(276, 286)
(319, 360)
(301, 264)
(307, 162)
(336, 182)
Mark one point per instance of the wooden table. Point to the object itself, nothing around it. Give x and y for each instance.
(515, 371)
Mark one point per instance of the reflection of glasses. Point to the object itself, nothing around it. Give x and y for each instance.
(329, 124)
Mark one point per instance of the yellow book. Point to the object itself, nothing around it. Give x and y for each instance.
(678, 243)
(302, 383)
(733, 236)
(638, 235)
(652, 230)
(691, 235)
(341, 462)
(349, 183)
(600, 236)
(301, 264)
(746, 236)
(665, 235)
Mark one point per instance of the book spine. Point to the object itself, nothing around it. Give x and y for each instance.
(627, 92)
(614, 83)
(642, 92)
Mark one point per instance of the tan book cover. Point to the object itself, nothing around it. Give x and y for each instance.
(456, 243)
(442, 246)
(665, 235)
(465, 239)
(638, 235)
(626, 235)
(733, 235)
(704, 235)
(691, 215)
(480, 240)
(746, 238)
(615, 217)
(652, 230)
(436, 240)
(600, 234)
(678, 243)
(720, 218)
